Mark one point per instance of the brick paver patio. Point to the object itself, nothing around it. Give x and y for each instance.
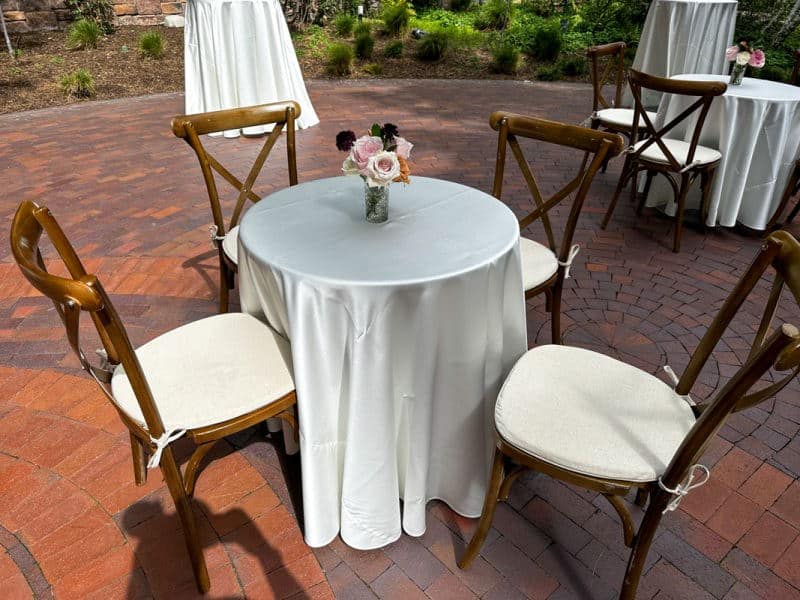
(129, 194)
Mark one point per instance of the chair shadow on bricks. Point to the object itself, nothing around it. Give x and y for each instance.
(207, 267)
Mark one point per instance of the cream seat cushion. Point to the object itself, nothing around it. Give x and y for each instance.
(680, 150)
(209, 371)
(622, 116)
(230, 245)
(538, 263)
(590, 413)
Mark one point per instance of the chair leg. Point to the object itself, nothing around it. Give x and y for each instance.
(788, 192)
(193, 466)
(489, 504)
(223, 288)
(139, 460)
(638, 556)
(183, 505)
(643, 199)
(555, 313)
(623, 177)
(794, 212)
(641, 497)
(682, 193)
(706, 182)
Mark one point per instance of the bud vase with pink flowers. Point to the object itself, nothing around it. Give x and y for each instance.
(380, 158)
(743, 56)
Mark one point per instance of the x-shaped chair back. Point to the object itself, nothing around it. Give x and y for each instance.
(705, 91)
(607, 64)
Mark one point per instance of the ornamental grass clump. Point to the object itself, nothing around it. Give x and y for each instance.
(396, 17)
(343, 24)
(393, 49)
(83, 34)
(433, 46)
(151, 44)
(340, 58)
(365, 44)
(505, 58)
(495, 14)
(362, 28)
(547, 42)
(78, 84)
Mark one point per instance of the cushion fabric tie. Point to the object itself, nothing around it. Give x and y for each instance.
(684, 487)
(215, 239)
(165, 440)
(570, 257)
(674, 378)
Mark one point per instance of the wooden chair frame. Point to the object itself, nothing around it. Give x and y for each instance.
(84, 292)
(602, 146)
(614, 56)
(795, 79)
(780, 350)
(191, 127)
(790, 191)
(680, 176)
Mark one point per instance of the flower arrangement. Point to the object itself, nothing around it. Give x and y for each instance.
(743, 56)
(380, 157)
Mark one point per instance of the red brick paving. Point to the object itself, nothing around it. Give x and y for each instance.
(73, 525)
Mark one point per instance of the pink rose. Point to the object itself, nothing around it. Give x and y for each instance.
(382, 169)
(404, 147)
(365, 148)
(731, 52)
(757, 59)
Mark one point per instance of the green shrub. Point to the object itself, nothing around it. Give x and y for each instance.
(396, 17)
(151, 44)
(362, 28)
(79, 84)
(541, 8)
(460, 5)
(393, 49)
(365, 43)
(433, 46)
(574, 66)
(495, 14)
(83, 34)
(771, 72)
(547, 42)
(373, 69)
(505, 58)
(340, 57)
(99, 11)
(549, 73)
(343, 24)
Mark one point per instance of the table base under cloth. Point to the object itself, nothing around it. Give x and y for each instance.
(759, 139)
(380, 421)
(239, 53)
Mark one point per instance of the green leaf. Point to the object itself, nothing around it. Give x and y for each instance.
(376, 130)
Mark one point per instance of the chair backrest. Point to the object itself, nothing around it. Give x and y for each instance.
(598, 145)
(795, 80)
(607, 65)
(71, 296)
(778, 351)
(704, 91)
(191, 127)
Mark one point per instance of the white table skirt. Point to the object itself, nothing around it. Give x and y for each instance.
(756, 127)
(684, 36)
(239, 53)
(401, 333)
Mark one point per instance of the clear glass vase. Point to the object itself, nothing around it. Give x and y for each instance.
(737, 74)
(377, 203)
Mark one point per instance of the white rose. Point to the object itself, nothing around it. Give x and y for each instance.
(382, 169)
(742, 58)
(349, 167)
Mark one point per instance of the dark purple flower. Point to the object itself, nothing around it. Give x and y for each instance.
(345, 140)
(389, 132)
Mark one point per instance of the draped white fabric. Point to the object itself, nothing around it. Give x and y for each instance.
(684, 36)
(401, 335)
(239, 53)
(756, 127)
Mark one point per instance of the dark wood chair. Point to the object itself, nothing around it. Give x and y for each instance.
(681, 163)
(790, 191)
(205, 380)
(795, 80)
(544, 268)
(191, 127)
(598, 423)
(607, 66)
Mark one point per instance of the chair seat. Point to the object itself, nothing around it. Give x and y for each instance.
(538, 263)
(680, 150)
(621, 117)
(209, 371)
(230, 245)
(592, 414)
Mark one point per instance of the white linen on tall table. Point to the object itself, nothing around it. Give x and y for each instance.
(401, 334)
(756, 127)
(684, 36)
(239, 53)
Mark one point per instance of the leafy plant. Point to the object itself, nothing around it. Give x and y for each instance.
(549, 73)
(57, 60)
(79, 84)
(433, 46)
(365, 43)
(396, 16)
(574, 66)
(343, 24)
(495, 14)
(393, 49)
(340, 58)
(547, 42)
(374, 69)
(505, 58)
(83, 34)
(99, 11)
(460, 5)
(151, 44)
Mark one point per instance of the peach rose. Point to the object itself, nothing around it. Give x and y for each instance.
(405, 170)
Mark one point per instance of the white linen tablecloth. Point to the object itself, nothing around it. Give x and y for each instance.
(401, 333)
(239, 53)
(756, 127)
(684, 36)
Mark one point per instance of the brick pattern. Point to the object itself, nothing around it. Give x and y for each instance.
(135, 207)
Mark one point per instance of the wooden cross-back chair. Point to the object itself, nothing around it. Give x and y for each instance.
(598, 423)
(607, 66)
(205, 380)
(191, 127)
(791, 190)
(544, 268)
(680, 162)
